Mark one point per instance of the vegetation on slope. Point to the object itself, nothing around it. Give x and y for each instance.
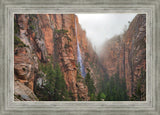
(54, 87)
(112, 89)
(140, 92)
(90, 84)
(18, 42)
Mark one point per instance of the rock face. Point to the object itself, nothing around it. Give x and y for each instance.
(126, 54)
(43, 38)
(90, 58)
(23, 93)
(25, 66)
(50, 35)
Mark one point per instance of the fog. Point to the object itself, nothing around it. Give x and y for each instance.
(101, 27)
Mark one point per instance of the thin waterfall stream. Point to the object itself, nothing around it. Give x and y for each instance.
(79, 57)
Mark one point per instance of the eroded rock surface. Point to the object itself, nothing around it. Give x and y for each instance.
(126, 54)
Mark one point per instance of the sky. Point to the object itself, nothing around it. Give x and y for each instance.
(100, 27)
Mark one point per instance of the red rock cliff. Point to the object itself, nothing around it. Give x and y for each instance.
(50, 35)
(53, 35)
(126, 54)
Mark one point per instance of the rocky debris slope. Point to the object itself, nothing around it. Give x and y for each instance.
(23, 93)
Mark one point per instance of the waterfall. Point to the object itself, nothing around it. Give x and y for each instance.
(79, 57)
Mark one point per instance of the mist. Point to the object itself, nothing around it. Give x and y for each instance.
(101, 27)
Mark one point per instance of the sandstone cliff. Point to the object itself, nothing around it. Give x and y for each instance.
(41, 39)
(126, 54)
(40, 36)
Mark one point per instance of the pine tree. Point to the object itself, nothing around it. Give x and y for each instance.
(113, 88)
(60, 92)
(139, 94)
(92, 97)
(54, 88)
(90, 84)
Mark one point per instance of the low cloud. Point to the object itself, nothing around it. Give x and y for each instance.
(100, 27)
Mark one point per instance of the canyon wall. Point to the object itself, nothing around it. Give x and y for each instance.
(51, 38)
(44, 38)
(126, 54)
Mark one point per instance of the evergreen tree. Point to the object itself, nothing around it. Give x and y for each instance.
(92, 97)
(139, 94)
(90, 84)
(113, 88)
(60, 92)
(46, 91)
(54, 88)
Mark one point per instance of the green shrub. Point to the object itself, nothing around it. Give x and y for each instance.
(93, 97)
(101, 96)
(66, 46)
(79, 77)
(16, 27)
(31, 21)
(61, 31)
(18, 42)
(31, 27)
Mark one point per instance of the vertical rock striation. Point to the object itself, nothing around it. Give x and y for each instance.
(43, 38)
(49, 35)
(126, 54)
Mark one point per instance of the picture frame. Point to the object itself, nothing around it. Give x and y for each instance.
(149, 107)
